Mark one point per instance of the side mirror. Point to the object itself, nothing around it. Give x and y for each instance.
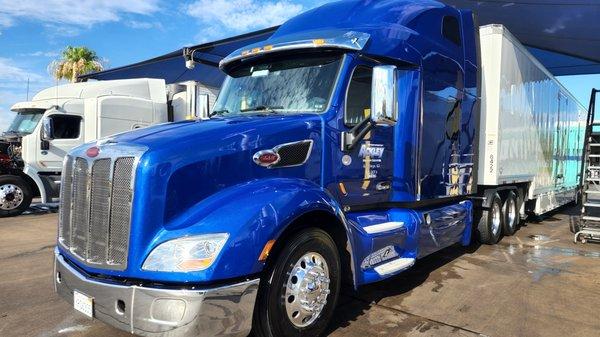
(47, 129)
(384, 107)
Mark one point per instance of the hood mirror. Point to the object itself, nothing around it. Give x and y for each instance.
(384, 107)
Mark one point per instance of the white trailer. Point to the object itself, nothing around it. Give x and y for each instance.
(532, 128)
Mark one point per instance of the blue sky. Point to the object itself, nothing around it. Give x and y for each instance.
(32, 34)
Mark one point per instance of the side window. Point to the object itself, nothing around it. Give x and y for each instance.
(358, 101)
(451, 29)
(66, 126)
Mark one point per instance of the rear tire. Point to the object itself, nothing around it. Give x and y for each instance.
(489, 227)
(15, 196)
(306, 270)
(510, 214)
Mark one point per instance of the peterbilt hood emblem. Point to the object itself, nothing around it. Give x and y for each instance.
(285, 155)
(92, 152)
(266, 158)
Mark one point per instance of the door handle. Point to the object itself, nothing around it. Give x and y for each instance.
(383, 186)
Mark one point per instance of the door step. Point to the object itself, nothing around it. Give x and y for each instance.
(394, 266)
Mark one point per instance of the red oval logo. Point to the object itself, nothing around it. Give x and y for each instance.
(93, 152)
(268, 158)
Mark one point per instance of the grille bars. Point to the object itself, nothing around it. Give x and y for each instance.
(95, 213)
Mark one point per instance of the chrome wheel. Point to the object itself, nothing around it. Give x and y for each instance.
(307, 289)
(496, 216)
(11, 197)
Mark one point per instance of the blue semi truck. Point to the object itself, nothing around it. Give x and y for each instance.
(342, 149)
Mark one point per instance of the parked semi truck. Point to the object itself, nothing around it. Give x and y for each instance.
(31, 160)
(359, 138)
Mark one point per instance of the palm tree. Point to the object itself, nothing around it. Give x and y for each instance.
(75, 61)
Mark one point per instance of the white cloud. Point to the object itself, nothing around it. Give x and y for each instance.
(242, 15)
(72, 12)
(9, 72)
(15, 81)
(143, 24)
(40, 53)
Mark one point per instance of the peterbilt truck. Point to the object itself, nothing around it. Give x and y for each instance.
(60, 118)
(359, 138)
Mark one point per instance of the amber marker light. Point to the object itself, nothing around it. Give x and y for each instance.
(266, 250)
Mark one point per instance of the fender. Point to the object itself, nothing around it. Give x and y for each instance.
(33, 174)
(252, 214)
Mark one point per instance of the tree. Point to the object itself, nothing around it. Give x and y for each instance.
(75, 61)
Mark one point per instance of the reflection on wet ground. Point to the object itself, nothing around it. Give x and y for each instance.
(529, 284)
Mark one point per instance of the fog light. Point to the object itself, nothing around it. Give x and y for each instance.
(168, 310)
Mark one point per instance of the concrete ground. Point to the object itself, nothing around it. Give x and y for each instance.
(536, 283)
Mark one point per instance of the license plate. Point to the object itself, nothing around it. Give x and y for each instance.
(83, 303)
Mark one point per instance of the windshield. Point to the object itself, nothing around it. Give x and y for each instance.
(293, 85)
(25, 121)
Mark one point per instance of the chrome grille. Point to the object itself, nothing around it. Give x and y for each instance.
(120, 215)
(95, 212)
(99, 210)
(66, 188)
(80, 209)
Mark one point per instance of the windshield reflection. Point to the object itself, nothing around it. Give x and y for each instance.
(293, 85)
(25, 122)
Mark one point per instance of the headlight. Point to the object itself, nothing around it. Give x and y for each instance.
(193, 253)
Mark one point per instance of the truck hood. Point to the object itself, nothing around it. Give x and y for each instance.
(188, 162)
(249, 131)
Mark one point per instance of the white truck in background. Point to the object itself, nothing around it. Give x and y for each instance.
(63, 117)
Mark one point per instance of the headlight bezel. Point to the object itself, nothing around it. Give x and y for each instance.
(186, 254)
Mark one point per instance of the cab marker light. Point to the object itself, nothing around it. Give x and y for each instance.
(319, 42)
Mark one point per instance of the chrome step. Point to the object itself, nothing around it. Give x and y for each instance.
(591, 218)
(591, 204)
(395, 266)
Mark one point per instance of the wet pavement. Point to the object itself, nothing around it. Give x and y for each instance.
(536, 283)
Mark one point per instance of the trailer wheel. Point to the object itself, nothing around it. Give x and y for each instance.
(299, 291)
(489, 227)
(510, 213)
(15, 196)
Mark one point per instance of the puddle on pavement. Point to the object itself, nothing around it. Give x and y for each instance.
(540, 258)
(539, 237)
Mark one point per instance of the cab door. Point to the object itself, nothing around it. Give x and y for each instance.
(67, 134)
(363, 174)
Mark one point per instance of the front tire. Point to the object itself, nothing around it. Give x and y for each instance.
(299, 291)
(489, 227)
(15, 196)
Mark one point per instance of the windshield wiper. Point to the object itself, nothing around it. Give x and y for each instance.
(219, 112)
(265, 108)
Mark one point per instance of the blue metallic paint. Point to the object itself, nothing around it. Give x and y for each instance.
(199, 177)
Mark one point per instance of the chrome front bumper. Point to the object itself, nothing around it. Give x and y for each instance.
(224, 311)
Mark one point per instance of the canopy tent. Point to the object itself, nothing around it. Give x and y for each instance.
(562, 34)
(171, 67)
